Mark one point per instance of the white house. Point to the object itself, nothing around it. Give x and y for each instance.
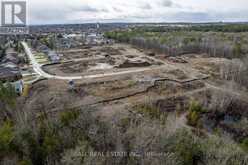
(53, 56)
(18, 86)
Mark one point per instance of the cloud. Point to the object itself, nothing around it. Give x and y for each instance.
(87, 8)
(192, 17)
(166, 3)
(80, 11)
(146, 6)
(43, 13)
(117, 9)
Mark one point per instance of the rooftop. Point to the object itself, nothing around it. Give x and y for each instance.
(9, 74)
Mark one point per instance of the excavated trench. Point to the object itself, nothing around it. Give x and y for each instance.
(174, 100)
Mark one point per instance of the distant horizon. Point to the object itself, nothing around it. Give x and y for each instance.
(217, 22)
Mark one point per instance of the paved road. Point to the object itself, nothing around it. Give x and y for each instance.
(37, 67)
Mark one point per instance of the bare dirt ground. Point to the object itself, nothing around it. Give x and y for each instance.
(169, 84)
(100, 59)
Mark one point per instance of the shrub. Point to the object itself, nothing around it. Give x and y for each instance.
(196, 107)
(25, 162)
(50, 144)
(244, 144)
(188, 149)
(7, 94)
(6, 137)
(151, 111)
(193, 116)
(67, 117)
(237, 50)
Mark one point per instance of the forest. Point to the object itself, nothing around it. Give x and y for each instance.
(177, 41)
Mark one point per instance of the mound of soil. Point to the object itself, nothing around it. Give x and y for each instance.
(111, 51)
(130, 64)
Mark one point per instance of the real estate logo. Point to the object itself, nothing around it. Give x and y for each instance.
(13, 17)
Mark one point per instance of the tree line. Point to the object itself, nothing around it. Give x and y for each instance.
(183, 42)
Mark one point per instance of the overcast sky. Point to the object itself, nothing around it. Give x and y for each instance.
(84, 11)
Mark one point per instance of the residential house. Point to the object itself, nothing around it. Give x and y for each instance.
(43, 48)
(11, 57)
(13, 76)
(9, 65)
(9, 74)
(18, 86)
(53, 56)
(64, 43)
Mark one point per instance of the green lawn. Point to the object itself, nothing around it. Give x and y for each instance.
(41, 58)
